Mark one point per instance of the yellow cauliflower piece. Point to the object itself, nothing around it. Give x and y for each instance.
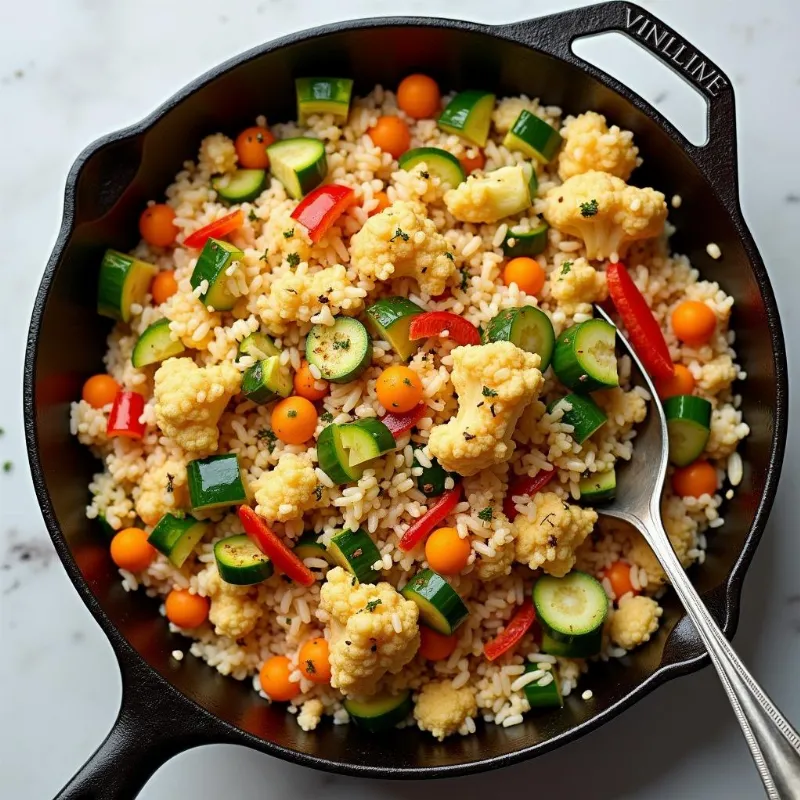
(162, 489)
(233, 613)
(550, 539)
(494, 383)
(491, 197)
(442, 709)
(364, 644)
(190, 400)
(605, 212)
(401, 242)
(288, 490)
(576, 282)
(296, 296)
(635, 621)
(589, 144)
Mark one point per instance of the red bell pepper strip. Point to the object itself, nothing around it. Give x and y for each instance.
(525, 485)
(270, 545)
(398, 424)
(428, 521)
(517, 627)
(124, 417)
(217, 229)
(432, 323)
(644, 331)
(320, 209)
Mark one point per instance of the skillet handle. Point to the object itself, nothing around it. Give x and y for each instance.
(555, 34)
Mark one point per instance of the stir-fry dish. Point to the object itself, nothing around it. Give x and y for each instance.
(358, 414)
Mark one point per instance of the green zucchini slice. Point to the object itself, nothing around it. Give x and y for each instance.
(585, 416)
(529, 328)
(300, 164)
(389, 320)
(309, 546)
(585, 358)
(240, 186)
(380, 712)
(469, 115)
(533, 137)
(356, 552)
(123, 281)
(323, 96)
(344, 449)
(155, 344)
(689, 426)
(258, 346)
(543, 696)
(215, 482)
(440, 606)
(215, 258)
(437, 161)
(341, 351)
(240, 562)
(526, 243)
(266, 381)
(177, 536)
(598, 486)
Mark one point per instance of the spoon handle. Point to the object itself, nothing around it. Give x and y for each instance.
(773, 742)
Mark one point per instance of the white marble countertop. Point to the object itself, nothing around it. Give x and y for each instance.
(71, 70)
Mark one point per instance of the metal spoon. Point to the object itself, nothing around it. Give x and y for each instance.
(773, 742)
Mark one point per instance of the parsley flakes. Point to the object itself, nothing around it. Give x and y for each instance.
(399, 234)
(293, 259)
(566, 268)
(487, 392)
(589, 208)
(486, 514)
(341, 344)
(373, 604)
(291, 413)
(310, 668)
(326, 417)
(288, 234)
(252, 215)
(449, 255)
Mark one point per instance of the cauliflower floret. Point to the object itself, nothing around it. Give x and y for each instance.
(550, 539)
(402, 242)
(442, 709)
(288, 490)
(488, 568)
(589, 144)
(162, 489)
(494, 383)
(634, 621)
(364, 644)
(310, 714)
(576, 282)
(233, 613)
(605, 212)
(217, 154)
(491, 197)
(278, 224)
(190, 400)
(296, 296)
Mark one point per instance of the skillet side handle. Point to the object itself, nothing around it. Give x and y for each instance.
(555, 34)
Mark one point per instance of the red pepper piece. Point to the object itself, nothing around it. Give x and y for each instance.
(124, 417)
(432, 323)
(428, 521)
(525, 485)
(517, 627)
(398, 424)
(322, 207)
(644, 331)
(270, 545)
(216, 230)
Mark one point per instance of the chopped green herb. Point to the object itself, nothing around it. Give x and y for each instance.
(326, 417)
(373, 604)
(354, 581)
(341, 344)
(170, 483)
(268, 436)
(487, 392)
(589, 208)
(7, 466)
(288, 620)
(407, 381)
(399, 234)
(252, 215)
(486, 514)
(464, 280)
(293, 259)
(288, 234)
(318, 492)
(449, 255)
(424, 174)
(310, 668)
(291, 413)
(566, 267)
(264, 257)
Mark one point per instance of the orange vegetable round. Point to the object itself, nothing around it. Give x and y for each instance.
(383, 203)
(130, 550)
(294, 420)
(186, 610)
(619, 575)
(418, 95)
(682, 382)
(100, 390)
(157, 225)
(695, 480)
(305, 384)
(163, 287)
(693, 322)
(471, 163)
(447, 552)
(251, 147)
(274, 677)
(526, 273)
(313, 660)
(399, 389)
(391, 134)
(435, 646)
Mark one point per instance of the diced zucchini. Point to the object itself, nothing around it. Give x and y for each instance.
(240, 562)
(571, 611)
(469, 115)
(266, 381)
(258, 346)
(308, 546)
(689, 426)
(334, 460)
(215, 482)
(529, 328)
(123, 281)
(598, 486)
(440, 606)
(547, 695)
(177, 536)
(526, 243)
(344, 449)
(432, 480)
(585, 416)
(533, 137)
(300, 164)
(240, 186)
(215, 258)
(437, 162)
(380, 712)
(155, 344)
(585, 359)
(341, 351)
(389, 319)
(323, 96)
(356, 552)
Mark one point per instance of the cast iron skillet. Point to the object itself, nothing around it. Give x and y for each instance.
(167, 706)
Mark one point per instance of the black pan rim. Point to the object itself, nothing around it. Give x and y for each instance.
(127, 655)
